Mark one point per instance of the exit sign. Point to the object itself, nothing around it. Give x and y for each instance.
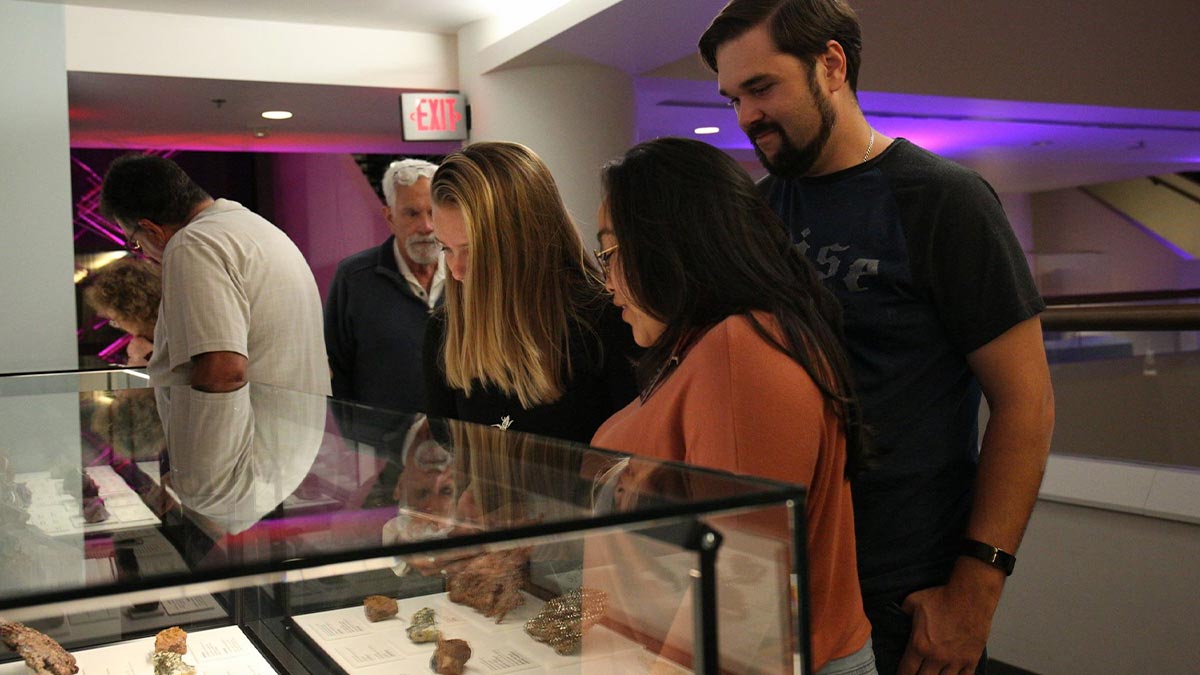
(433, 116)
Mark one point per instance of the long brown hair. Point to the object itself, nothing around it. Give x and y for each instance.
(508, 324)
(699, 244)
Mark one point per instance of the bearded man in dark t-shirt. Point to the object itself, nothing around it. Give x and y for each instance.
(939, 307)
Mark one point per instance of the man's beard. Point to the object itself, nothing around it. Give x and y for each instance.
(791, 161)
(422, 250)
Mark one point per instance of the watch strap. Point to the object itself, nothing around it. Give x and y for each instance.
(996, 557)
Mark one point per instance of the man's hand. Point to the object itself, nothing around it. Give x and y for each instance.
(951, 623)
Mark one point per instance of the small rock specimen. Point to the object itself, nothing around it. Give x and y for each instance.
(451, 656)
(424, 626)
(94, 510)
(379, 607)
(170, 663)
(491, 582)
(41, 653)
(173, 639)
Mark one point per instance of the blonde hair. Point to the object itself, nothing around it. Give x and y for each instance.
(515, 477)
(509, 323)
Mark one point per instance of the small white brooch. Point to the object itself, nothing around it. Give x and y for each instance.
(505, 423)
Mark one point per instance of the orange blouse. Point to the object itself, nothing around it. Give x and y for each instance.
(738, 404)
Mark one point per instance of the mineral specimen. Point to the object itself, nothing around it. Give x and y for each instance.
(173, 639)
(379, 607)
(491, 582)
(94, 510)
(170, 663)
(424, 626)
(451, 656)
(42, 654)
(563, 621)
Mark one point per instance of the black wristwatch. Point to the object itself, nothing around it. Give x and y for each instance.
(998, 558)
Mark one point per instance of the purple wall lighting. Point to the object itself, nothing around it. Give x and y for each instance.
(87, 207)
(95, 237)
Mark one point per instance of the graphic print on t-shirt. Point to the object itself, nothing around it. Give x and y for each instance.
(828, 263)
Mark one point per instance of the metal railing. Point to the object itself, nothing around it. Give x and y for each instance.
(1175, 310)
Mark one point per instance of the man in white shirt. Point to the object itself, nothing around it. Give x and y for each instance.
(239, 301)
(380, 299)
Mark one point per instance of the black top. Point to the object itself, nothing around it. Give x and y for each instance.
(374, 333)
(920, 254)
(602, 382)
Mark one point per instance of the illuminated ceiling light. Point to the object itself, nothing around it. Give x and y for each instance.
(704, 131)
(277, 115)
(99, 260)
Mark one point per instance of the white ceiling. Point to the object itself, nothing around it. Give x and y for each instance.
(1019, 146)
(111, 110)
(432, 16)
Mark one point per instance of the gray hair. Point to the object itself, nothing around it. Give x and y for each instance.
(404, 172)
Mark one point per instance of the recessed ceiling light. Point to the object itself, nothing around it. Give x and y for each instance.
(704, 131)
(277, 115)
(1041, 144)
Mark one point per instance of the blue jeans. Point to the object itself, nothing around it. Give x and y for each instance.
(861, 662)
(890, 629)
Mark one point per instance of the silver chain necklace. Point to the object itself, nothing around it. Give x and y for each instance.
(870, 145)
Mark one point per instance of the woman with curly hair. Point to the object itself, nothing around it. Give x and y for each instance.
(127, 292)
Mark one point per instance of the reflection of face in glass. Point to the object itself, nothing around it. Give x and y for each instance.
(425, 493)
(427, 484)
(616, 489)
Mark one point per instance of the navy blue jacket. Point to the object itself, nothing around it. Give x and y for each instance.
(374, 332)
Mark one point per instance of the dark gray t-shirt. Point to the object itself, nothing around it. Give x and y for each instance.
(927, 269)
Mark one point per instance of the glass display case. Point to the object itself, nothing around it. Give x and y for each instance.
(269, 531)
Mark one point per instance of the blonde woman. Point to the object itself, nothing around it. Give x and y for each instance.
(527, 339)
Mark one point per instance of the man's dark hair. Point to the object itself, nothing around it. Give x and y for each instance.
(143, 186)
(801, 28)
(698, 244)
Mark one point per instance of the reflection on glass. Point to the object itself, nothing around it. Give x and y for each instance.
(258, 501)
(233, 457)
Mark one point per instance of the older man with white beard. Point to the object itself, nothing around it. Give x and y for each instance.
(380, 300)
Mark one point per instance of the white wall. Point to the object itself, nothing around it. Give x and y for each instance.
(1084, 247)
(37, 331)
(575, 117)
(1101, 592)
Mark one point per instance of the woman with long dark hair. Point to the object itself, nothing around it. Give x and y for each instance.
(743, 369)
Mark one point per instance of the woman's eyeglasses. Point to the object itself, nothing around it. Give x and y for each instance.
(605, 258)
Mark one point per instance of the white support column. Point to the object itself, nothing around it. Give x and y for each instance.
(576, 117)
(37, 303)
